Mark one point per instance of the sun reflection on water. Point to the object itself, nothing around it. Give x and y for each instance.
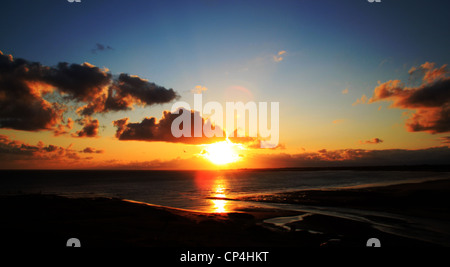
(219, 204)
(215, 188)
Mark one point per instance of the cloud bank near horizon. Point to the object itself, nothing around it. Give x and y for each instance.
(17, 154)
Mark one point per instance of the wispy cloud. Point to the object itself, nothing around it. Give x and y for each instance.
(278, 57)
(361, 100)
(198, 89)
(445, 139)
(100, 47)
(371, 141)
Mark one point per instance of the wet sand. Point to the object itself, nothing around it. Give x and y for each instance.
(106, 222)
(417, 211)
(426, 199)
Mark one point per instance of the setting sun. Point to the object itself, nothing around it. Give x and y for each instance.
(223, 152)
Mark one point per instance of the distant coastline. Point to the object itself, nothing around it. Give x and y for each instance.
(424, 167)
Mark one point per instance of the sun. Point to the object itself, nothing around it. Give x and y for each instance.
(221, 153)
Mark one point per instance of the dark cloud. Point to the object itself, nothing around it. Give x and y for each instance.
(354, 157)
(430, 100)
(372, 141)
(142, 90)
(150, 129)
(91, 150)
(62, 129)
(100, 47)
(22, 105)
(81, 83)
(90, 128)
(27, 87)
(127, 91)
(19, 155)
(16, 150)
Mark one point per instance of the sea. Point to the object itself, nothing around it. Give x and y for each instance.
(208, 191)
(219, 191)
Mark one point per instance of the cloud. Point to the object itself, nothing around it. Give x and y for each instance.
(253, 142)
(100, 47)
(198, 89)
(34, 97)
(62, 129)
(430, 100)
(278, 57)
(445, 139)
(338, 121)
(90, 128)
(361, 100)
(152, 130)
(322, 158)
(371, 141)
(22, 105)
(127, 91)
(149, 129)
(80, 82)
(354, 157)
(428, 72)
(91, 150)
(20, 155)
(345, 91)
(16, 150)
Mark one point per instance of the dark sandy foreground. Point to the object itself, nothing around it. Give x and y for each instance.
(102, 222)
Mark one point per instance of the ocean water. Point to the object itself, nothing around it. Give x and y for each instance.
(197, 190)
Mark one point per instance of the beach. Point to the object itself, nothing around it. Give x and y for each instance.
(315, 222)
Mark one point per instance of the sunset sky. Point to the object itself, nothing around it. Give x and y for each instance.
(357, 83)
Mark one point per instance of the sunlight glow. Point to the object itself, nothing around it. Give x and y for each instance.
(223, 152)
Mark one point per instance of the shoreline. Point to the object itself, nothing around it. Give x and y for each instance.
(308, 218)
(112, 222)
(417, 211)
(403, 197)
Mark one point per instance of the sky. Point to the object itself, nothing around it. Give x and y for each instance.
(92, 84)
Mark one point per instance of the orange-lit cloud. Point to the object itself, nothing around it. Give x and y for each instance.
(12, 151)
(90, 128)
(321, 158)
(353, 157)
(278, 57)
(430, 100)
(445, 139)
(361, 100)
(23, 86)
(198, 89)
(150, 129)
(61, 129)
